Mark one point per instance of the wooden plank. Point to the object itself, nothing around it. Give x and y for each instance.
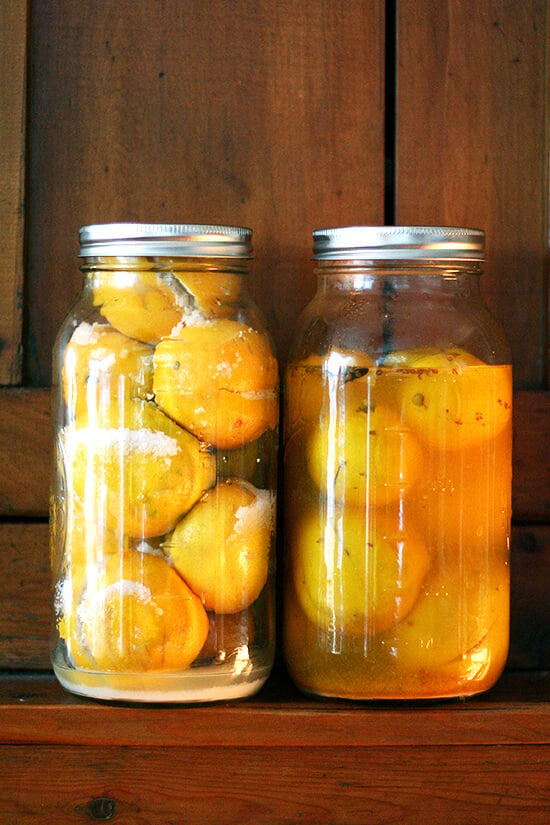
(13, 53)
(25, 597)
(531, 457)
(36, 710)
(263, 114)
(26, 601)
(26, 440)
(420, 785)
(472, 118)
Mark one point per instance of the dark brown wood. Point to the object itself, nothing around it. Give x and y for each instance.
(263, 114)
(420, 785)
(530, 605)
(26, 440)
(472, 109)
(531, 470)
(26, 604)
(516, 711)
(277, 758)
(13, 57)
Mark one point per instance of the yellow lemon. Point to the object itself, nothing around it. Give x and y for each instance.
(314, 384)
(353, 578)
(452, 399)
(138, 615)
(142, 305)
(100, 362)
(457, 607)
(222, 547)
(139, 475)
(362, 454)
(86, 550)
(215, 293)
(218, 380)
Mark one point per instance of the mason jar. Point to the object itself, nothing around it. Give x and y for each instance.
(165, 394)
(397, 459)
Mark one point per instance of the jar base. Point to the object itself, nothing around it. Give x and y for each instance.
(394, 697)
(196, 685)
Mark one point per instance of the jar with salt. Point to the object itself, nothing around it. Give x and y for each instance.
(165, 406)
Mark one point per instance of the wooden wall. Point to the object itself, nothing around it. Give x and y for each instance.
(284, 116)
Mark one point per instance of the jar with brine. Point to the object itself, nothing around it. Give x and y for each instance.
(398, 397)
(165, 390)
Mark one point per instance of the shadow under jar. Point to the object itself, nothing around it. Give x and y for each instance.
(163, 502)
(397, 461)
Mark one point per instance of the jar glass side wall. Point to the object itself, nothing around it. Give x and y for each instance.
(397, 479)
(163, 507)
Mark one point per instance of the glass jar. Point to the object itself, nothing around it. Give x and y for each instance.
(165, 391)
(398, 397)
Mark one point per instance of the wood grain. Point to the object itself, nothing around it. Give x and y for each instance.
(472, 109)
(420, 785)
(531, 469)
(13, 55)
(36, 710)
(25, 596)
(26, 449)
(255, 113)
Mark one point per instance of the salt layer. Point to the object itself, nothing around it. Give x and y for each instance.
(259, 513)
(86, 334)
(141, 440)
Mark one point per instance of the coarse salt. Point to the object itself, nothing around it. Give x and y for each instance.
(86, 334)
(259, 513)
(142, 440)
(195, 318)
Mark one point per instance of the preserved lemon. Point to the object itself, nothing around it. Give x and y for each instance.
(137, 615)
(364, 455)
(354, 576)
(218, 380)
(222, 547)
(143, 305)
(450, 402)
(139, 472)
(312, 397)
(215, 294)
(101, 362)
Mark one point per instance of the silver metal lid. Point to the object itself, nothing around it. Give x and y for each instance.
(165, 240)
(399, 243)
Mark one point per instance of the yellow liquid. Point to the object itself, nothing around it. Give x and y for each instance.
(397, 484)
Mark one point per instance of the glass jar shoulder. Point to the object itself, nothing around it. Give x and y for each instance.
(395, 322)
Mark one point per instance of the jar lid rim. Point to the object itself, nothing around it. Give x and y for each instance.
(399, 242)
(165, 239)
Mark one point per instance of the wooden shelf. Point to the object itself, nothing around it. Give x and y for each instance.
(279, 757)
(36, 710)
